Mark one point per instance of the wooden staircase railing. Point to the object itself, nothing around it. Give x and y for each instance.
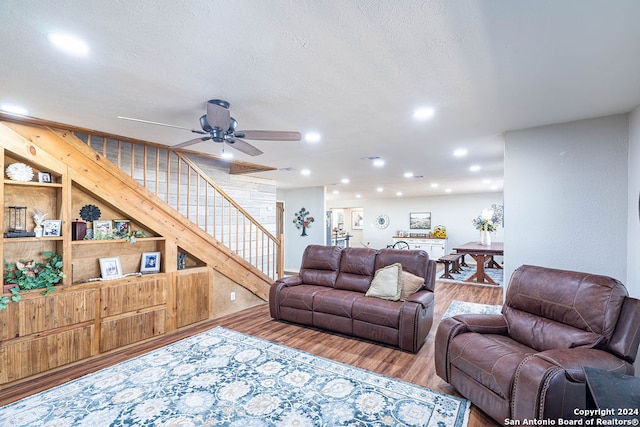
(179, 182)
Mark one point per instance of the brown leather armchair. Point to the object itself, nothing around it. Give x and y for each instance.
(527, 363)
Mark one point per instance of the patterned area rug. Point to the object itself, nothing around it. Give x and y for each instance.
(225, 378)
(494, 273)
(463, 307)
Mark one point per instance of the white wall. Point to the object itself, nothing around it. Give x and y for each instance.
(453, 211)
(633, 233)
(311, 198)
(566, 196)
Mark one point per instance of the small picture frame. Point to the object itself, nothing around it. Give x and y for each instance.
(420, 220)
(357, 220)
(101, 228)
(110, 268)
(150, 262)
(122, 226)
(44, 177)
(51, 227)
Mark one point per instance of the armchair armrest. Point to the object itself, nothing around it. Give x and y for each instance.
(551, 384)
(450, 327)
(483, 323)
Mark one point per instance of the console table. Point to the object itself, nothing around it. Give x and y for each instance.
(616, 395)
(482, 255)
(434, 247)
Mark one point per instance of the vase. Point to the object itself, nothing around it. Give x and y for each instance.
(304, 231)
(38, 230)
(485, 238)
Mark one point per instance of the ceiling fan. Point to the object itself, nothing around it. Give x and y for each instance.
(219, 126)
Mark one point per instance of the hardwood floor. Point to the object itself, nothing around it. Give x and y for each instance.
(415, 368)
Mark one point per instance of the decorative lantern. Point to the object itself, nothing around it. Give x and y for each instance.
(17, 218)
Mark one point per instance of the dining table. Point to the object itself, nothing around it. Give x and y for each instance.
(483, 255)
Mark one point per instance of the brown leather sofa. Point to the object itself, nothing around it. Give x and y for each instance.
(329, 293)
(527, 363)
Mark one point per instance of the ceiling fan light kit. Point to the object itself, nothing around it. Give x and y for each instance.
(220, 127)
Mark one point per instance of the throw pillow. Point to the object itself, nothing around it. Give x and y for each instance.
(386, 283)
(410, 284)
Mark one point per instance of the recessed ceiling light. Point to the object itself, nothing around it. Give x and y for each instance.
(408, 174)
(399, 193)
(379, 189)
(14, 109)
(474, 168)
(305, 172)
(460, 152)
(336, 192)
(486, 181)
(434, 185)
(358, 196)
(344, 180)
(378, 163)
(312, 137)
(448, 190)
(69, 44)
(423, 113)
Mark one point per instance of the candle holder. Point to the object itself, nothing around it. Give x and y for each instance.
(18, 222)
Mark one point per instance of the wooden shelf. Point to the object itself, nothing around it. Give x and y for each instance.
(31, 239)
(33, 183)
(103, 242)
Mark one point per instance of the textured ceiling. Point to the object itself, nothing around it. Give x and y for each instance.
(352, 70)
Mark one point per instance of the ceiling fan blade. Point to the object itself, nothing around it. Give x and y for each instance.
(269, 135)
(160, 124)
(191, 142)
(243, 146)
(218, 114)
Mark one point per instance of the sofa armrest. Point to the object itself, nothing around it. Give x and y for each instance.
(551, 384)
(450, 327)
(290, 280)
(423, 297)
(274, 293)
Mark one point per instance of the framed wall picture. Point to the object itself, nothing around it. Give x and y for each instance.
(44, 177)
(150, 262)
(122, 226)
(420, 220)
(357, 220)
(51, 227)
(101, 227)
(110, 268)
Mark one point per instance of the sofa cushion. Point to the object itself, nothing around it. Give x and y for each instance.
(409, 284)
(336, 301)
(386, 283)
(320, 265)
(357, 267)
(377, 311)
(414, 261)
(491, 360)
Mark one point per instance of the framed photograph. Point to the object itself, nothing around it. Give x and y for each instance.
(150, 262)
(102, 227)
(51, 227)
(357, 220)
(122, 226)
(110, 268)
(44, 177)
(420, 220)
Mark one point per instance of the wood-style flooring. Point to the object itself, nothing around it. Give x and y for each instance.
(415, 368)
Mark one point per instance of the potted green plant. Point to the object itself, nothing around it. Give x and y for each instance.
(28, 275)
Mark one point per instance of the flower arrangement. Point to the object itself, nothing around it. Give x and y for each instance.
(303, 219)
(489, 219)
(27, 275)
